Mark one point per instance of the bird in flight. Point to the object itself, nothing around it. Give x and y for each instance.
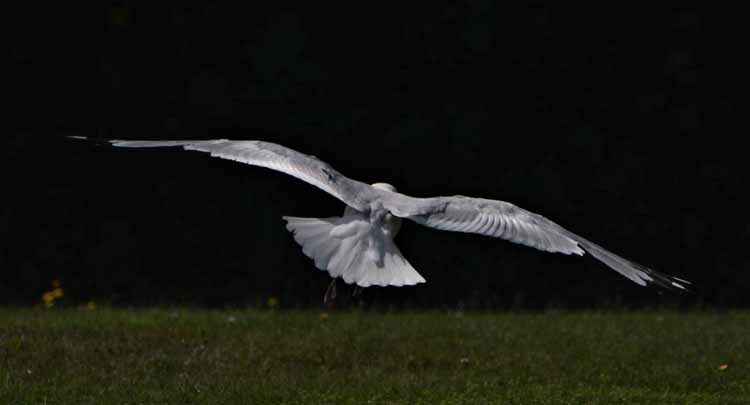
(358, 246)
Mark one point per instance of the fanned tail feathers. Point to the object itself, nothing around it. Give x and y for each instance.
(354, 249)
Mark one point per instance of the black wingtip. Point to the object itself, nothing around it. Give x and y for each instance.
(666, 281)
(95, 141)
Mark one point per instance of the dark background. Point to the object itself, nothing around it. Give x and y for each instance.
(622, 124)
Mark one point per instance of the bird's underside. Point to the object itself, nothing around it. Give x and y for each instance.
(358, 246)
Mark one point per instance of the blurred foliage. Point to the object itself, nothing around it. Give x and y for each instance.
(611, 125)
(187, 355)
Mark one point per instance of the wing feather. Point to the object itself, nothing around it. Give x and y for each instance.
(507, 221)
(273, 156)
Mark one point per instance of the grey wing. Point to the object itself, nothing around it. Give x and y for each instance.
(273, 156)
(507, 221)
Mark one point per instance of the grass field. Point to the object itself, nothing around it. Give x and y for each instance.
(177, 355)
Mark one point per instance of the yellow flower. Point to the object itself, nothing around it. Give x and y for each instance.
(272, 302)
(91, 305)
(48, 298)
(323, 316)
(723, 367)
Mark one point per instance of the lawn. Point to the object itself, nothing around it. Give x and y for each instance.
(179, 355)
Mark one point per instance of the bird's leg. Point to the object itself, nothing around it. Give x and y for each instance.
(357, 291)
(330, 294)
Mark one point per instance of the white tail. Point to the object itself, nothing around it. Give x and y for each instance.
(353, 248)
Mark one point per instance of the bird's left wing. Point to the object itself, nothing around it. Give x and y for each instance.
(273, 156)
(506, 221)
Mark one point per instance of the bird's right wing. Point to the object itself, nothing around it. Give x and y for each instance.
(499, 219)
(273, 156)
(504, 220)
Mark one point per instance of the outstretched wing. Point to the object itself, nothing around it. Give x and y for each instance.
(273, 156)
(507, 221)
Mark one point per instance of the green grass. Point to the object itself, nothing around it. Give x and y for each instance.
(107, 355)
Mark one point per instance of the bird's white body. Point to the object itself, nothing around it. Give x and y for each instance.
(358, 246)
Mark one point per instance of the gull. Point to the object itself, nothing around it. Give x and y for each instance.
(358, 246)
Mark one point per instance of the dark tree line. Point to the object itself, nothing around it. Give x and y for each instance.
(616, 123)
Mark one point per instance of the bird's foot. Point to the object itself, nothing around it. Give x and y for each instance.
(330, 294)
(357, 291)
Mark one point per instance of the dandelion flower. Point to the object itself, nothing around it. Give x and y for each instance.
(272, 302)
(48, 298)
(323, 316)
(723, 367)
(91, 305)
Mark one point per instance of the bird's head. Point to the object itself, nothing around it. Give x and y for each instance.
(384, 186)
